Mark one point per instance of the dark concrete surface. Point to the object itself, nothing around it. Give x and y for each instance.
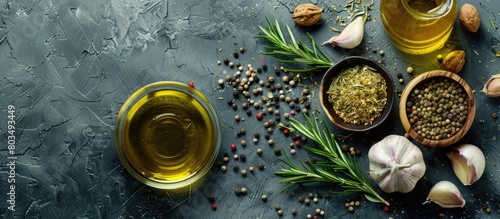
(68, 66)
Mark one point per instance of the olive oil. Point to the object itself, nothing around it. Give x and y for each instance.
(418, 26)
(167, 138)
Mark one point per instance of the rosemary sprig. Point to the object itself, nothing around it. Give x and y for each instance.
(313, 57)
(338, 168)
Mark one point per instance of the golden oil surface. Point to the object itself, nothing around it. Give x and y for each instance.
(418, 26)
(170, 136)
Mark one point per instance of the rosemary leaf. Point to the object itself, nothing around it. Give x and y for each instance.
(337, 168)
(295, 51)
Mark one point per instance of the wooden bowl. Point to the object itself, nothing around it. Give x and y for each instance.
(337, 69)
(471, 108)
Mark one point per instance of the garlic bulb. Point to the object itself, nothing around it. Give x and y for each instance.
(351, 36)
(468, 162)
(492, 86)
(446, 195)
(396, 164)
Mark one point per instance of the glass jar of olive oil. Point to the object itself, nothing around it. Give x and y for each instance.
(418, 26)
(167, 135)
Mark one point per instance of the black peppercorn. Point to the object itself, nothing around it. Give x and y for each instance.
(243, 158)
(226, 61)
(277, 150)
(235, 55)
(261, 166)
(236, 94)
(264, 67)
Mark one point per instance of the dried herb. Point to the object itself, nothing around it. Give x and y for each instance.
(358, 94)
(338, 167)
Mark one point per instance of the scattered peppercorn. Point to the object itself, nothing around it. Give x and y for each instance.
(286, 131)
(301, 199)
(259, 116)
(261, 166)
(277, 150)
(264, 198)
(236, 167)
(409, 69)
(233, 147)
(237, 191)
(214, 206)
(211, 198)
(259, 151)
(386, 208)
(307, 201)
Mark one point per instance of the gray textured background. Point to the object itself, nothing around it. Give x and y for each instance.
(67, 66)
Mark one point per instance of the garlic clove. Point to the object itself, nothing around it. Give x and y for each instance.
(468, 163)
(446, 195)
(492, 86)
(351, 36)
(396, 164)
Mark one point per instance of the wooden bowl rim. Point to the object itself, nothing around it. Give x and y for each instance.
(332, 71)
(471, 108)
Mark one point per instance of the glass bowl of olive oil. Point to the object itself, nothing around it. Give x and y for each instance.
(167, 135)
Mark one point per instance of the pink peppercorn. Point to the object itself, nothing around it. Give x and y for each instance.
(233, 147)
(259, 116)
(286, 131)
(191, 84)
(386, 208)
(297, 143)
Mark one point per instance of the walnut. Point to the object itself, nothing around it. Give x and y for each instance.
(454, 61)
(307, 14)
(470, 18)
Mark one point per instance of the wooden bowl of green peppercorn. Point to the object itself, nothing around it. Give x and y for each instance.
(437, 108)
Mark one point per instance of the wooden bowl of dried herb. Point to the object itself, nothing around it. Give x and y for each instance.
(357, 94)
(437, 108)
